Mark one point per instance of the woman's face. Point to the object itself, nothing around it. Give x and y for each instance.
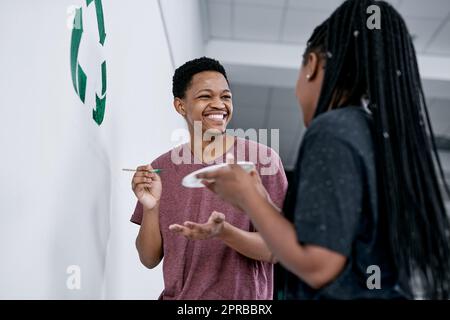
(308, 86)
(207, 100)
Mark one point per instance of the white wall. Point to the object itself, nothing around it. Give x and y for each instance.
(127, 280)
(183, 19)
(63, 197)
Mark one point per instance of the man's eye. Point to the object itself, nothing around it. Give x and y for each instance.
(226, 97)
(204, 97)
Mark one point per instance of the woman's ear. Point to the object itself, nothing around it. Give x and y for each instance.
(312, 66)
(179, 106)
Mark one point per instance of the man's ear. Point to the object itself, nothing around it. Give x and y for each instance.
(179, 106)
(313, 65)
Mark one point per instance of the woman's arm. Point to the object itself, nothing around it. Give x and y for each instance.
(315, 265)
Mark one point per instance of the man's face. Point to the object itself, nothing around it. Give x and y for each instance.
(208, 100)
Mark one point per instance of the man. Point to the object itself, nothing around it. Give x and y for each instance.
(210, 248)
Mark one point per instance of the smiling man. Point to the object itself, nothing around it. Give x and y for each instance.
(210, 248)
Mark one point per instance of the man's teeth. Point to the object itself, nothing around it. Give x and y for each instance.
(216, 116)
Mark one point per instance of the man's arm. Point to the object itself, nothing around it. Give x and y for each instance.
(249, 244)
(147, 187)
(149, 241)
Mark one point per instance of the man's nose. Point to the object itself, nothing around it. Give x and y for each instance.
(218, 104)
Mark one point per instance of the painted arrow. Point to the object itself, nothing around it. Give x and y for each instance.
(100, 19)
(78, 75)
(100, 102)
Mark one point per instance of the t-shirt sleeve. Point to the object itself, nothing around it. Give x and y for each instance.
(136, 217)
(329, 193)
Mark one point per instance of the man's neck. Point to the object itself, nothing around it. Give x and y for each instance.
(210, 150)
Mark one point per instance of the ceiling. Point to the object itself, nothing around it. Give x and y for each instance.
(260, 43)
(291, 21)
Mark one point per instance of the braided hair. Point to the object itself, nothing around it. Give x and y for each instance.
(381, 65)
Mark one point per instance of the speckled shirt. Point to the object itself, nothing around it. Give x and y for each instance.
(333, 204)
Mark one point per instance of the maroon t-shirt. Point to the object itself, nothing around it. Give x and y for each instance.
(209, 269)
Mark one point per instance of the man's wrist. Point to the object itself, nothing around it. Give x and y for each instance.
(224, 233)
(155, 209)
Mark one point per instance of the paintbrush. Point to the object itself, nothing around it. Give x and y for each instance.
(151, 171)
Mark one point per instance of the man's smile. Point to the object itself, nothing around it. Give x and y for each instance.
(216, 116)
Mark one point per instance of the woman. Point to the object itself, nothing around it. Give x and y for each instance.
(369, 218)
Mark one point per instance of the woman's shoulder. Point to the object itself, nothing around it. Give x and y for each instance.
(342, 117)
(345, 123)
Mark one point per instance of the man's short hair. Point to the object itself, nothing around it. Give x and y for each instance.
(183, 75)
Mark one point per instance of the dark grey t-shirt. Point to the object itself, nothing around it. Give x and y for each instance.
(334, 202)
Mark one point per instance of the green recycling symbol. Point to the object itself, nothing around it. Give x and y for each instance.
(79, 77)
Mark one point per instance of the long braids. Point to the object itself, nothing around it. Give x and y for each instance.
(381, 65)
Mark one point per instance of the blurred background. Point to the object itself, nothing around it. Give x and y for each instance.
(64, 200)
(261, 42)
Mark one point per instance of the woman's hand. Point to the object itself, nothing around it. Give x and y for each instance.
(147, 186)
(234, 184)
(195, 231)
